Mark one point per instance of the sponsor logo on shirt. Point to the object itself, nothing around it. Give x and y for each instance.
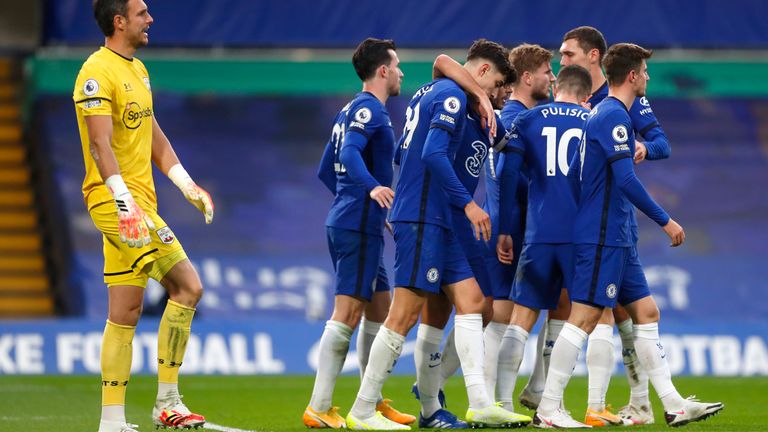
(474, 163)
(134, 114)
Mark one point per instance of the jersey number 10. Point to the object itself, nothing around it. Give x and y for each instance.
(558, 150)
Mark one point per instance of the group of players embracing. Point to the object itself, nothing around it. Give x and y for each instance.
(557, 231)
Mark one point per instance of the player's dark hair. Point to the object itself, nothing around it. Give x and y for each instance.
(621, 59)
(589, 38)
(370, 54)
(528, 57)
(574, 79)
(494, 53)
(105, 10)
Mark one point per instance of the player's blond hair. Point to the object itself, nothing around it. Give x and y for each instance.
(528, 57)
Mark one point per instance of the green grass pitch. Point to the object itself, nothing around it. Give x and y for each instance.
(275, 403)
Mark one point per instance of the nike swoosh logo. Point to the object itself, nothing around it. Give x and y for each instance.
(681, 412)
(434, 366)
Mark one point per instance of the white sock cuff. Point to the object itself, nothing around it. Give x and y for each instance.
(468, 320)
(343, 329)
(516, 332)
(555, 324)
(369, 327)
(647, 331)
(603, 332)
(430, 334)
(393, 340)
(626, 328)
(574, 335)
(497, 328)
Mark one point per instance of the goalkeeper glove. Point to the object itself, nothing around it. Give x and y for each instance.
(192, 192)
(134, 224)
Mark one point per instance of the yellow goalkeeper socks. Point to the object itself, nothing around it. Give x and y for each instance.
(172, 340)
(116, 355)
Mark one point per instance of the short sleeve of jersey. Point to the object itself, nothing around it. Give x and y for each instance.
(93, 91)
(643, 118)
(447, 109)
(365, 118)
(614, 134)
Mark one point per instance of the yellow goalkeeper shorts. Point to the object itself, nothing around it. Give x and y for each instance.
(125, 265)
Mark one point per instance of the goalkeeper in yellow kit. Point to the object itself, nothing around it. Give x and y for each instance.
(121, 139)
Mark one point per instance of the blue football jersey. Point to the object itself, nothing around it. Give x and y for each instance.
(423, 195)
(473, 152)
(365, 124)
(644, 122)
(493, 168)
(470, 159)
(603, 215)
(646, 125)
(547, 137)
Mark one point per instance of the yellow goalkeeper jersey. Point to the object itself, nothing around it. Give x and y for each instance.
(110, 84)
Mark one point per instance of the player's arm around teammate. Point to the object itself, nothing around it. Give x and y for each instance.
(446, 67)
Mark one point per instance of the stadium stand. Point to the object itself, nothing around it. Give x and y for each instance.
(24, 281)
(247, 101)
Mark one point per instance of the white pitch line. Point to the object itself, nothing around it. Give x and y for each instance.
(214, 426)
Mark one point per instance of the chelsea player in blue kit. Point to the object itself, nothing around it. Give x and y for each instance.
(468, 166)
(356, 167)
(606, 272)
(543, 138)
(586, 46)
(428, 259)
(534, 66)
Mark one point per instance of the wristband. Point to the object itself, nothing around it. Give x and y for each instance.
(179, 176)
(116, 186)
